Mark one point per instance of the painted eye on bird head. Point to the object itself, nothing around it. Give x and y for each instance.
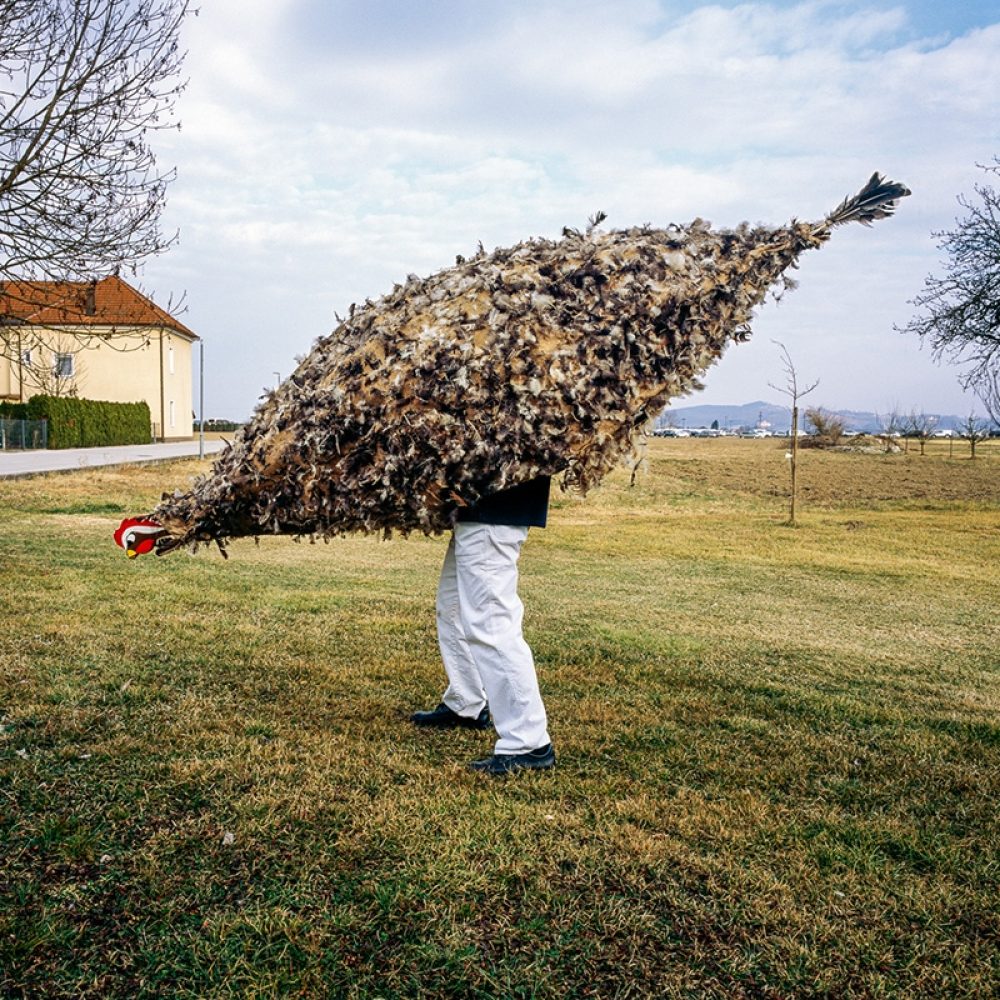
(137, 536)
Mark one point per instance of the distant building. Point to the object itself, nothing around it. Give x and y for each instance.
(101, 339)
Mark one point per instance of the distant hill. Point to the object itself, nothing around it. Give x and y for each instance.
(777, 417)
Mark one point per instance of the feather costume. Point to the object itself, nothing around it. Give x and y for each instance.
(539, 359)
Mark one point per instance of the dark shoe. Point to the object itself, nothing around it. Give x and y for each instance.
(503, 763)
(443, 717)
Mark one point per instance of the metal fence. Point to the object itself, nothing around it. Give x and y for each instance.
(23, 434)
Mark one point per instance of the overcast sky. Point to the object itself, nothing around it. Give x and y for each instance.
(328, 149)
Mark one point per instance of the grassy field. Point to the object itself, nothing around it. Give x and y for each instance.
(779, 748)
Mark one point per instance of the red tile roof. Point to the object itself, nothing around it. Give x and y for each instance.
(70, 303)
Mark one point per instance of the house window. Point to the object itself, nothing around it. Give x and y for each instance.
(170, 359)
(172, 421)
(64, 366)
(26, 358)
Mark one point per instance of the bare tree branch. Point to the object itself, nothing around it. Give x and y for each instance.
(791, 386)
(83, 85)
(987, 389)
(960, 311)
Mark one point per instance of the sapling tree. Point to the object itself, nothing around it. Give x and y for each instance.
(921, 426)
(891, 425)
(639, 460)
(974, 429)
(792, 389)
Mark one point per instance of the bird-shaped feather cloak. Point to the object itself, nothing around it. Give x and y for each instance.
(540, 359)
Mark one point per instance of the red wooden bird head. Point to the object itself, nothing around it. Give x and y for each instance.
(137, 535)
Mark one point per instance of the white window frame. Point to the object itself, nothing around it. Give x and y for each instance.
(173, 422)
(64, 365)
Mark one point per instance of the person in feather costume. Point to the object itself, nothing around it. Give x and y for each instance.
(450, 402)
(541, 359)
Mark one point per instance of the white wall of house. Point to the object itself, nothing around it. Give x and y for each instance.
(143, 364)
(8, 384)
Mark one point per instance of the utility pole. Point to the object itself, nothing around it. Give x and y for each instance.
(201, 399)
(163, 411)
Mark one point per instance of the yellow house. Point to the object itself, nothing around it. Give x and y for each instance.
(97, 340)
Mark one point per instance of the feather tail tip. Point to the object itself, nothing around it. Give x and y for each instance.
(876, 200)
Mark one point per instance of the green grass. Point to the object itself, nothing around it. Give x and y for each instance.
(779, 748)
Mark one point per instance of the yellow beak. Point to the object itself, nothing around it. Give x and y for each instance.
(131, 553)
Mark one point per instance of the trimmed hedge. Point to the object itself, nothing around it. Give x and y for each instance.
(13, 411)
(89, 423)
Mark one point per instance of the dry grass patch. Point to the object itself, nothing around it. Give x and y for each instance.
(778, 749)
(834, 478)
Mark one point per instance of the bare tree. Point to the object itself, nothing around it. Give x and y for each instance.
(83, 84)
(639, 461)
(890, 428)
(921, 426)
(974, 429)
(960, 312)
(792, 390)
(57, 371)
(828, 428)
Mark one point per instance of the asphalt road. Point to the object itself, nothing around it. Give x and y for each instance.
(33, 463)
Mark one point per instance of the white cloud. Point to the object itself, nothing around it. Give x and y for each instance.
(330, 148)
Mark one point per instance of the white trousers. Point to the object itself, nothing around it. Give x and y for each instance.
(479, 631)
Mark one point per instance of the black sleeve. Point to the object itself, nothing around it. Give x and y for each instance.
(526, 504)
